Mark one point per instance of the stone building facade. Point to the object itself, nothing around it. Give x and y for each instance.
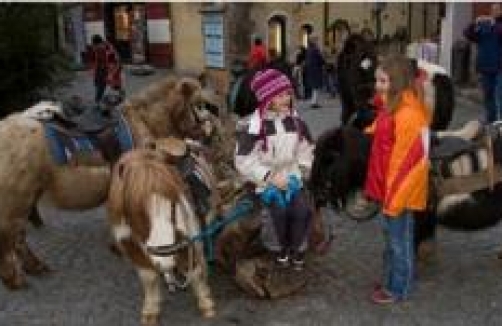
(141, 32)
(178, 35)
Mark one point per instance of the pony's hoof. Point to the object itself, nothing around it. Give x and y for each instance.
(208, 313)
(115, 249)
(16, 282)
(427, 251)
(150, 320)
(37, 269)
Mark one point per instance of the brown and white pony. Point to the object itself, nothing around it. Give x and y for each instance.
(149, 208)
(28, 173)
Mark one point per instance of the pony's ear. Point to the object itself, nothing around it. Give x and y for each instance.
(188, 87)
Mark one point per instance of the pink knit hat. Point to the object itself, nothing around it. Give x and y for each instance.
(267, 84)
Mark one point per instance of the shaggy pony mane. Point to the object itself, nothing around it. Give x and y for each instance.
(136, 177)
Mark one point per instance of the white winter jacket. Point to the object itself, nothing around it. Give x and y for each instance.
(289, 147)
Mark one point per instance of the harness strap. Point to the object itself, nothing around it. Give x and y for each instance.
(242, 208)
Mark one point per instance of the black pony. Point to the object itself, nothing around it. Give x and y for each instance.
(356, 67)
(339, 169)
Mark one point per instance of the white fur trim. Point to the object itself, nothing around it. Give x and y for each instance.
(254, 123)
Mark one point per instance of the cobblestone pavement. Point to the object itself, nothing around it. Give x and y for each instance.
(92, 287)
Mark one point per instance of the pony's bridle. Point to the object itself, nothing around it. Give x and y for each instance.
(172, 278)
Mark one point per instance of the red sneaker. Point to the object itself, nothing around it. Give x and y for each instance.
(377, 286)
(382, 296)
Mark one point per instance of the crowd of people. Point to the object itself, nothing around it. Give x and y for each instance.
(310, 72)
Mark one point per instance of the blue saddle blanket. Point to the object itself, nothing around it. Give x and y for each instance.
(63, 147)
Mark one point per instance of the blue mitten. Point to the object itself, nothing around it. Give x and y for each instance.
(273, 194)
(294, 187)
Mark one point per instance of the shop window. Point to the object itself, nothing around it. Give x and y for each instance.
(122, 23)
(305, 32)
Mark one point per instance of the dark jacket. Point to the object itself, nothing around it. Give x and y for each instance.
(488, 38)
(314, 63)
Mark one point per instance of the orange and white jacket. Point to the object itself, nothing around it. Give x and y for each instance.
(408, 170)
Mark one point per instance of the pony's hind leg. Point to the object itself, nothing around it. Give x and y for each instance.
(11, 271)
(425, 236)
(30, 262)
(150, 314)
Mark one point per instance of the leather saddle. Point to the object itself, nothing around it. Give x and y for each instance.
(78, 119)
(94, 122)
(448, 148)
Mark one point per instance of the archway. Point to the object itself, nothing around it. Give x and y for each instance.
(277, 35)
(305, 31)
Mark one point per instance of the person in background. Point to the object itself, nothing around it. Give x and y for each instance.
(314, 65)
(398, 170)
(330, 80)
(106, 67)
(486, 32)
(298, 75)
(258, 55)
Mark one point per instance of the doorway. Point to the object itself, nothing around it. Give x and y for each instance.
(124, 28)
(305, 33)
(277, 35)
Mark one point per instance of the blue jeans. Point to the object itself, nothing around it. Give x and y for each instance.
(489, 84)
(399, 255)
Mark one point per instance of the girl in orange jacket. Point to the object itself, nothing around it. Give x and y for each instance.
(405, 169)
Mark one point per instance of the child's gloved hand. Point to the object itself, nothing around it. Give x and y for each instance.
(272, 194)
(282, 197)
(294, 186)
(279, 180)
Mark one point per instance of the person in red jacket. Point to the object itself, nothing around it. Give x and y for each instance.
(383, 138)
(257, 55)
(106, 67)
(398, 171)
